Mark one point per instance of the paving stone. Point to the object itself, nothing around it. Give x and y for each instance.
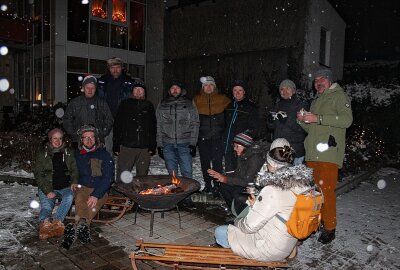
(88, 261)
(59, 264)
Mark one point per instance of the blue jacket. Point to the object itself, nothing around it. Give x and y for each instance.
(96, 170)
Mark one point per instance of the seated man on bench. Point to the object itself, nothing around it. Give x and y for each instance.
(96, 170)
(260, 235)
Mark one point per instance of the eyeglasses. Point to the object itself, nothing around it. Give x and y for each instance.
(88, 138)
(56, 139)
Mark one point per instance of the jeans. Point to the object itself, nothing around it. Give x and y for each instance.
(47, 205)
(178, 155)
(298, 161)
(221, 236)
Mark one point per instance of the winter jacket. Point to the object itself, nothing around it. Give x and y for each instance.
(135, 125)
(334, 108)
(249, 164)
(82, 110)
(177, 121)
(240, 116)
(288, 127)
(43, 167)
(260, 235)
(107, 86)
(96, 170)
(211, 113)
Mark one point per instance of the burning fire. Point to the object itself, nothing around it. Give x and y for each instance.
(163, 189)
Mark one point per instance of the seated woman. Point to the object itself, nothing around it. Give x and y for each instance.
(260, 235)
(55, 172)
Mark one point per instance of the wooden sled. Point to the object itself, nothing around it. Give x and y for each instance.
(112, 210)
(197, 257)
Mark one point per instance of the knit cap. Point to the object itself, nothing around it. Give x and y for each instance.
(279, 142)
(239, 83)
(326, 73)
(207, 80)
(89, 79)
(243, 139)
(288, 83)
(139, 83)
(177, 83)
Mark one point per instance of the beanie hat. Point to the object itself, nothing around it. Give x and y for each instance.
(54, 131)
(89, 79)
(288, 83)
(279, 142)
(327, 73)
(139, 83)
(243, 139)
(239, 83)
(207, 80)
(87, 128)
(177, 83)
(114, 61)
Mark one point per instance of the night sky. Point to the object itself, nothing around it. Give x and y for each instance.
(373, 29)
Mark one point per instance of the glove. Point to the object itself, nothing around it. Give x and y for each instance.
(271, 117)
(192, 150)
(152, 151)
(160, 151)
(116, 149)
(282, 117)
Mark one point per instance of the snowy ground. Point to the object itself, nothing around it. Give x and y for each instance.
(368, 235)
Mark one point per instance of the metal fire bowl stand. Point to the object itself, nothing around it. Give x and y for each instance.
(157, 203)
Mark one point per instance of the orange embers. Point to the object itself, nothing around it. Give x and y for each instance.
(163, 189)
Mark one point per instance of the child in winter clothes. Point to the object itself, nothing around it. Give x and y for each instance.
(260, 235)
(55, 171)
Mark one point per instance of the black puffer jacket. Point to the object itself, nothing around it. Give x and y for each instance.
(249, 164)
(288, 128)
(135, 125)
(240, 116)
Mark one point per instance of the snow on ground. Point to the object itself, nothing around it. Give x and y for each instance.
(367, 233)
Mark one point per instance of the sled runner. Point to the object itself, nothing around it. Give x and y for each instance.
(197, 257)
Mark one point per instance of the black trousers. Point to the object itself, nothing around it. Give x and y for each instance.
(211, 154)
(232, 193)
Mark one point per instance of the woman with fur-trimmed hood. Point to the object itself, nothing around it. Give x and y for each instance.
(260, 235)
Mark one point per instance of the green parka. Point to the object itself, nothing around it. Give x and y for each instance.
(334, 108)
(43, 167)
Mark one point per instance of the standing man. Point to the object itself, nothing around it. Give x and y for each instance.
(95, 167)
(177, 132)
(283, 119)
(135, 132)
(240, 116)
(210, 105)
(88, 109)
(114, 87)
(326, 123)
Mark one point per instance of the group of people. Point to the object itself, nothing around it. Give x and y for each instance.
(113, 118)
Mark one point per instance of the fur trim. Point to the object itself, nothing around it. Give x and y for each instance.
(288, 177)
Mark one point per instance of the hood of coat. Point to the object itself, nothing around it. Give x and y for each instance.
(289, 177)
(257, 148)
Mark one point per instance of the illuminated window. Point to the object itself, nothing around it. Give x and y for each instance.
(119, 11)
(99, 9)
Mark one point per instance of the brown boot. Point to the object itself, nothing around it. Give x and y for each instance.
(45, 229)
(57, 228)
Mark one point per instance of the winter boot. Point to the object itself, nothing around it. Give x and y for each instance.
(326, 236)
(45, 229)
(57, 228)
(69, 236)
(83, 232)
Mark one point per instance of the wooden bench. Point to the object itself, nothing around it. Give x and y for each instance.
(112, 210)
(197, 257)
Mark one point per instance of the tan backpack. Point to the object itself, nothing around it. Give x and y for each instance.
(306, 214)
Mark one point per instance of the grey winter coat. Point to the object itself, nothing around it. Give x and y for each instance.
(177, 121)
(260, 235)
(82, 110)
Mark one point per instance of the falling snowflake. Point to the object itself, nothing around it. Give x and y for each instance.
(3, 50)
(34, 204)
(4, 84)
(126, 177)
(381, 184)
(370, 248)
(322, 147)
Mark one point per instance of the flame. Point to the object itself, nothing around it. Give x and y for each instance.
(174, 179)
